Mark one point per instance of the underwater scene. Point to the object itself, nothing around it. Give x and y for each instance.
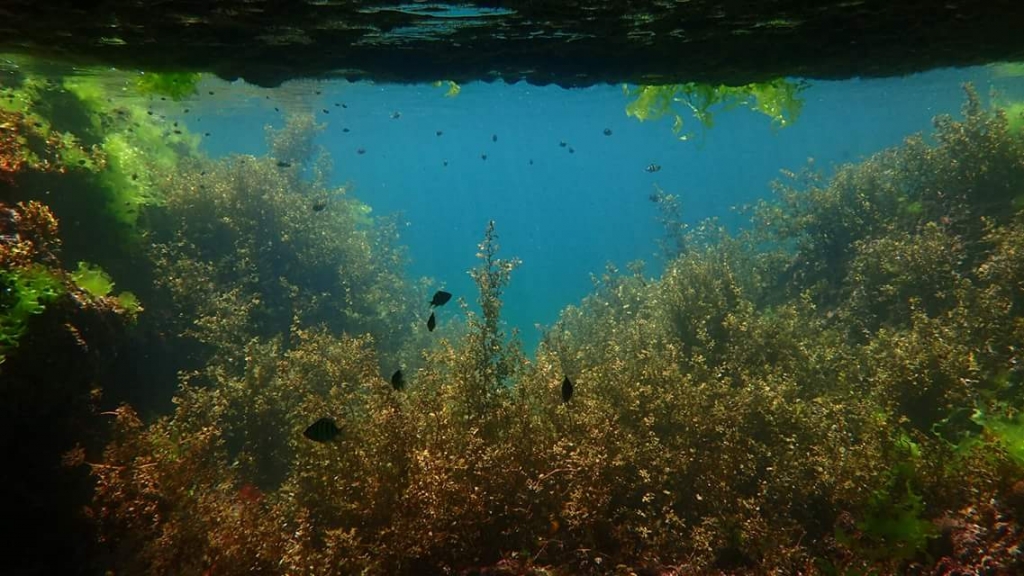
(493, 328)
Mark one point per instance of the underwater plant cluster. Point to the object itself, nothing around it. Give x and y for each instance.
(833, 390)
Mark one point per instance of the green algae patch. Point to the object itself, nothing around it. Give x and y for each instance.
(175, 85)
(93, 280)
(97, 283)
(24, 293)
(778, 99)
(1006, 431)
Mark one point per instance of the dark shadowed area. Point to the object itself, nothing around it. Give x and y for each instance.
(569, 43)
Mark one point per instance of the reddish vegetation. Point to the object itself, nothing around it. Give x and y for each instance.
(984, 538)
(29, 235)
(11, 159)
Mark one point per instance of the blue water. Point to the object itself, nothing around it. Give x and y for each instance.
(567, 215)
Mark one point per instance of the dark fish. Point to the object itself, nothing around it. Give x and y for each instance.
(397, 380)
(572, 150)
(360, 150)
(483, 156)
(445, 162)
(431, 322)
(440, 298)
(323, 430)
(345, 130)
(531, 161)
(319, 205)
(652, 168)
(396, 115)
(563, 144)
(283, 164)
(438, 132)
(326, 111)
(494, 137)
(607, 131)
(566, 389)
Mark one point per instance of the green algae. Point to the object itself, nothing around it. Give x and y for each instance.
(24, 293)
(174, 85)
(779, 99)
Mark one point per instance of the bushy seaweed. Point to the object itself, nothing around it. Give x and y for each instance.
(794, 398)
(244, 252)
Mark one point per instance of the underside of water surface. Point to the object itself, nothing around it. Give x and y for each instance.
(741, 322)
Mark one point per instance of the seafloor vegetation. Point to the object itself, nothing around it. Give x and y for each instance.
(834, 390)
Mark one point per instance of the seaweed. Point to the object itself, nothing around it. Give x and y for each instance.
(790, 398)
(25, 292)
(778, 99)
(175, 85)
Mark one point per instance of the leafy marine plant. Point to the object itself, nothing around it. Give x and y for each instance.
(778, 99)
(26, 292)
(93, 280)
(141, 147)
(175, 85)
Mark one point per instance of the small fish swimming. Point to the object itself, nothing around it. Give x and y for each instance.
(607, 132)
(494, 137)
(323, 430)
(396, 115)
(431, 322)
(652, 168)
(563, 143)
(319, 205)
(439, 132)
(283, 164)
(360, 151)
(397, 380)
(440, 298)
(566, 389)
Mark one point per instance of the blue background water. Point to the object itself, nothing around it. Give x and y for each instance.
(569, 214)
